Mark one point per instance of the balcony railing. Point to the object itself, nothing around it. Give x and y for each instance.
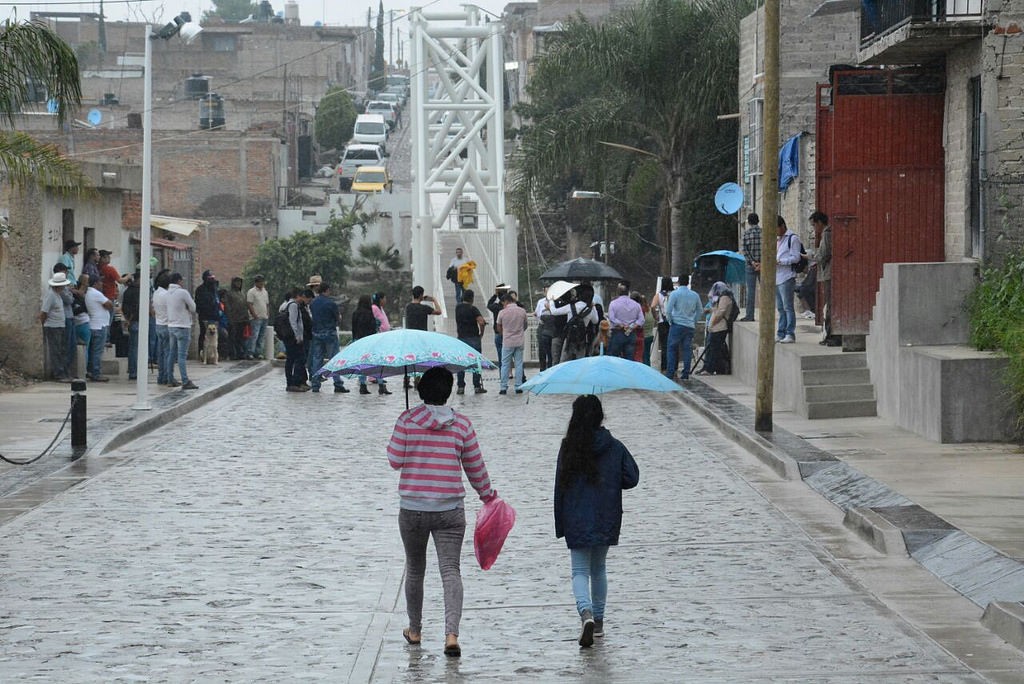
(879, 17)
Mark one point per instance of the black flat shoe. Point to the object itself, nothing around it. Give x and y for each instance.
(383, 390)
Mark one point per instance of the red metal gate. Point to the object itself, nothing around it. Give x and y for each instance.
(880, 178)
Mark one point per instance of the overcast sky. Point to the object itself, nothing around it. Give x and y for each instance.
(334, 12)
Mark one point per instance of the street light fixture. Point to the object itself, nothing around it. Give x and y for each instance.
(183, 26)
(593, 194)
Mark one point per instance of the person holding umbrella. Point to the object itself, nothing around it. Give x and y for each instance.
(593, 469)
(430, 445)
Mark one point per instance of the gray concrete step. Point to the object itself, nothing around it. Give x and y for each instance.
(833, 358)
(842, 409)
(837, 376)
(820, 393)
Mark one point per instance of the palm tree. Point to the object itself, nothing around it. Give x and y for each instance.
(650, 80)
(33, 56)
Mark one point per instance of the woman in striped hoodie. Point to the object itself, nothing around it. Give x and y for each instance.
(432, 445)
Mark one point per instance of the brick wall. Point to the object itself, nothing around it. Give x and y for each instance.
(225, 249)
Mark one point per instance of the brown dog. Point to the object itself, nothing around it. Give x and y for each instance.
(210, 345)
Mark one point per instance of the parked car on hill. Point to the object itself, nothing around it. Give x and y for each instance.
(355, 157)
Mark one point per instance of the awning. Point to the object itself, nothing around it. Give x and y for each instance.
(169, 244)
(181, 226)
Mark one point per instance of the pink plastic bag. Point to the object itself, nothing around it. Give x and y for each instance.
(494, 521)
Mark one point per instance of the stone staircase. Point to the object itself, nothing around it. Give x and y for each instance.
(836, 385)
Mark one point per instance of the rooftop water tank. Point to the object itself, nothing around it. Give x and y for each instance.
(291, 12)
(197, 86)
(211, 112)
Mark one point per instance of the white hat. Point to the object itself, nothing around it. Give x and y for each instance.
(59, 280)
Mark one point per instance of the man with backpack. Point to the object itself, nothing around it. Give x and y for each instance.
(295, 335)
(790, 259)
(581, 318)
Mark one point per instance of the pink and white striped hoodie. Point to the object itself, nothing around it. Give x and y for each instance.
(431, 445)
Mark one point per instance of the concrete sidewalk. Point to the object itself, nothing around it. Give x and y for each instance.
(30, 418)
(955, 508)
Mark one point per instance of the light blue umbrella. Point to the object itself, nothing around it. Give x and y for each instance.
(735, 264)
(597, 375)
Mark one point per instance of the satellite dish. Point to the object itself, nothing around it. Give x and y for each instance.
(52, 106)
(729, 198)
(95, 117)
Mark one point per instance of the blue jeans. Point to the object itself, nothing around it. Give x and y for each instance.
(590, 579)
(133, 350)
(257, 342)
(497, 347)
(679, 336)
(97, 342)
(622, 345)
(784, 304)
(458, 293)
(510, 356)
(178, 349)
(752, 278)
(322, 348)
(164, 360)
(460, 377)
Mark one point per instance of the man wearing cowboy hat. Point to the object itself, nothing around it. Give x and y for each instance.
(314, 283)
(495, 306)
(51, 315)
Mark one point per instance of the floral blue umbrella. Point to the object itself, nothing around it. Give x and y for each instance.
(404, 352)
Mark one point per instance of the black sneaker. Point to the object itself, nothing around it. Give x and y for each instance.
(460, 390)
(479, 390)
(190, 386)
(502, 391)
(383, 390)
(586, 639)
(363, 389)
(599, 627)
(341, 389)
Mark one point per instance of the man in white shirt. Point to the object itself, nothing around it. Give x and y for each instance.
(164, 362)
(99, 308)
(181, 309)
(455, 263)
(258, 301)
(788, 250)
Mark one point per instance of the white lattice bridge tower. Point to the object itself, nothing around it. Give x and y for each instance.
(458, 165)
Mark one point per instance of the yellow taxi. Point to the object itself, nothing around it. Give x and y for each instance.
(371, 179)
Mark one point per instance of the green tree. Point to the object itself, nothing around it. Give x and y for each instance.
(289, 262)
(335, 118)
(33, 56)
(230, 10)
(378, 72)
(651, 81)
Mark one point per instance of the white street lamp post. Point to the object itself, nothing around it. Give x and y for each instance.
(181, 25)
(592, 194)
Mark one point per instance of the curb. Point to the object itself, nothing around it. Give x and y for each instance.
(154, 421)
(888, 521)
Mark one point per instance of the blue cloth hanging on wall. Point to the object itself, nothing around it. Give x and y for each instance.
(789, 162)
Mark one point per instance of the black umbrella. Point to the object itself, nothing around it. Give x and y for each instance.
(581, 269)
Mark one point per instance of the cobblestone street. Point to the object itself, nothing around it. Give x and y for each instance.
(256, 539)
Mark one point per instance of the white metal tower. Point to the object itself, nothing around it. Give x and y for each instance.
(456, 81)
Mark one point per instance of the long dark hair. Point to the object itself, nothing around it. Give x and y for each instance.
(364, 302)
(576, 456)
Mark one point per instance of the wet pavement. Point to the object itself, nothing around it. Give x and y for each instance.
(255, 539)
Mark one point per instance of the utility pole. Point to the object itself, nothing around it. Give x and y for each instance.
(769, 212)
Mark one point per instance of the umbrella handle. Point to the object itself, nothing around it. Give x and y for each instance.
(405, 385)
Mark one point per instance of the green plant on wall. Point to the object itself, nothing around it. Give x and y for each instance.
(996, 310)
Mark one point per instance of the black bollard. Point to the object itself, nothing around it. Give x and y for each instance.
(78, 413)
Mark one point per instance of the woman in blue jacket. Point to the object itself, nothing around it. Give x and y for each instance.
(593, 469)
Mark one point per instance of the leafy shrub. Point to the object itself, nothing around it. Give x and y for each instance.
(996, 310)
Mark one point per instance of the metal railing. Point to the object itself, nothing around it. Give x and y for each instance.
(879, 17)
